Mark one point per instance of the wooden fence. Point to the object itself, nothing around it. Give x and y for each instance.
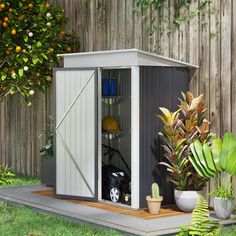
(112, 24)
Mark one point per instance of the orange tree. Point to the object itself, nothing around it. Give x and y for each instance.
(31, 35)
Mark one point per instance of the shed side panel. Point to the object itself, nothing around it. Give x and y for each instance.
(159, 87)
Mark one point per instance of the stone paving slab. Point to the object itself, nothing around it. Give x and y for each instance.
(128, 224)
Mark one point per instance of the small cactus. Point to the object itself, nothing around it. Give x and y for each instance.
(155, 190)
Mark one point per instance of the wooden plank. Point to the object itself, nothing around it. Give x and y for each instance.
(129, 29)
(138, 28)
(113, 25)
(121, 14)
(183, 31)
(165, 23)
(225, 65)
(174, 35)
(214, 77)
(233, 75)
(193, 49)
(23, 128)
(214, 65)
(233, 67)
(18, 134)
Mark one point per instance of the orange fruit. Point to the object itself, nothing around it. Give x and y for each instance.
(62, 33)
(13, 32)
(18, 48)
(30, 5)
(47, 5)
(2, 6)
(5, 25)
(10, 10)
(69, 49)
(6, 19)
(8, 52)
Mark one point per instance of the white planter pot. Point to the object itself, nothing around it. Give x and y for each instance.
(186, 200)
(223, 207)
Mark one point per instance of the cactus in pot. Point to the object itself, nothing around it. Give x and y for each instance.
(154, 201)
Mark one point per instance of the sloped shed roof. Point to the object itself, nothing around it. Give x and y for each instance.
(120, 58)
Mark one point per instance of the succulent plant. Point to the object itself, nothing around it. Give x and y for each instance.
(155, 190)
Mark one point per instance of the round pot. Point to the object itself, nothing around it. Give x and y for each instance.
(186, 200)
(154, 204)
(223, 207)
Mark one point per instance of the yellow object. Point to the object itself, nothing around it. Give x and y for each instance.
(5, 25)
(69, 49)
(110, 124)
(18, 49)
(47, 5)
(13, 32)
(6, 19)
(30, 5)
(2, 6)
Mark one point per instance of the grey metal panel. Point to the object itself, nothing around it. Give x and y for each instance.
(76, 154)
(159, 86)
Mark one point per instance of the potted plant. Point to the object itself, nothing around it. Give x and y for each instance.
(218, 160)
(154, 201)
(223, 200)
(48, 173)
(180, 129)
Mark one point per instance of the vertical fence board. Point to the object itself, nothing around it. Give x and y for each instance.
(194, 50)
(225, 65)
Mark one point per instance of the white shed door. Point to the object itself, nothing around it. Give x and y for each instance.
(76, 133)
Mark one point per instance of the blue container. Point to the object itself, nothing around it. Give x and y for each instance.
(105, 86)
(113, 88)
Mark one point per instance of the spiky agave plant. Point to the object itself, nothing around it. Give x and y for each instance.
(180, 129)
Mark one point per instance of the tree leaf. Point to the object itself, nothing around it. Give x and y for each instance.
(20, 72)
(199, 168)
(26, 38)
(228, 145)
(4, 76)
(199, 151)
(25, 59)
(34, 60)
(208, 157)
(216, 151)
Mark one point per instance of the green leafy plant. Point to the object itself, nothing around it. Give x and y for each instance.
(6, 175)
(180, 129)
(47, 148)
(200, 223)
(32, 33)
(208, 161)
(184, 12)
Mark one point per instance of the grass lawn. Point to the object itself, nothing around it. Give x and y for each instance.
(20, 179)
(22, 221)
(228, 231)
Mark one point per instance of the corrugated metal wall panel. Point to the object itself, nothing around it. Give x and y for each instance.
(158, 87)
(78, 130)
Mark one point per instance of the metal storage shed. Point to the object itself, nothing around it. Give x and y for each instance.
(145, 82)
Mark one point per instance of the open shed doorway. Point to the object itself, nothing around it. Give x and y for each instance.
(116, 136)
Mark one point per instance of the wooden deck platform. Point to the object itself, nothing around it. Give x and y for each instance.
(166, 211)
